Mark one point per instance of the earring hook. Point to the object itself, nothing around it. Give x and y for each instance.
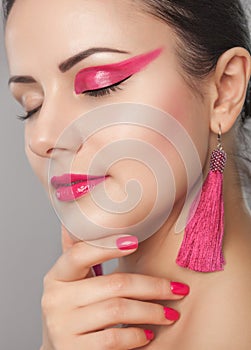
(219, 146)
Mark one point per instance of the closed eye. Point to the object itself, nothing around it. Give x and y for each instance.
(29, 114)
(93, 93)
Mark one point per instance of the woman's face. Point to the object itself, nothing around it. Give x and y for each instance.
(135, 49)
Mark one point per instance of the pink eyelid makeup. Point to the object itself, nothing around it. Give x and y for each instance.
(98, 77)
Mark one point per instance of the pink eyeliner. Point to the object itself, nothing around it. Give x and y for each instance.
(98, 77)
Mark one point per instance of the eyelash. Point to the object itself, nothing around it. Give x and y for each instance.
(28, 114)
(102, 92)
(105, 91)
(93, 93)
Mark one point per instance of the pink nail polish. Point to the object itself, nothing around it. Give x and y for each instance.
(149, 334)
(171, 314)
(179, 288)
(127, 243)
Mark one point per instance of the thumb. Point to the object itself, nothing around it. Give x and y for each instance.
(67, 239)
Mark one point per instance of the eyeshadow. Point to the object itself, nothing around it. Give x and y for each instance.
(97, 77)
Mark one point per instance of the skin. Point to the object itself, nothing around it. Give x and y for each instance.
(215, 314)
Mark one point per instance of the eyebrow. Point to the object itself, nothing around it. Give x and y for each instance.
(67, 64)
(25, 79)
(72, 61)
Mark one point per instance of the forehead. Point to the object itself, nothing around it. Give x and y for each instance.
(51, 30)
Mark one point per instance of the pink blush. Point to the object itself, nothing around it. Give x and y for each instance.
(98, 77)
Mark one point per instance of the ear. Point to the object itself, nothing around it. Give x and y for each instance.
(231, 78)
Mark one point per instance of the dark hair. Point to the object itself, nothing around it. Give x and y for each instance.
(7, 5)
(205, 29)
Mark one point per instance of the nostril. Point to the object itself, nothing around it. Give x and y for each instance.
(45, 143)
(49, 152)
(41, 147)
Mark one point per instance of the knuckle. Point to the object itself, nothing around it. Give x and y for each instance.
(116, 309)
(162, 288)
(46, 280)
(45, 304)
(75, 255)
(118, 283)
(49, 301)
(137, 335)
(55, 330)
(111, 339)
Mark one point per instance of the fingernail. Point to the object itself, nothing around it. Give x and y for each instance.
(171, 314)
(127, 243)
(149, 334)
(179, 288)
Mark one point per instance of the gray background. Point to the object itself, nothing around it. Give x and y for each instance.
(30, 231)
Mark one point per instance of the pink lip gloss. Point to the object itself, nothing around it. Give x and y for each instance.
(98, 77)
(70, 187)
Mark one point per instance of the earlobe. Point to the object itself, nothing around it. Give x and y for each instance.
(231, 78)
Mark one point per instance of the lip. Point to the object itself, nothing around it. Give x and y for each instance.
(70, 187)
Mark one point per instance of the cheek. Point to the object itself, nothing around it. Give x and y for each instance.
(171, 94)
(149, 196)
(145, 157)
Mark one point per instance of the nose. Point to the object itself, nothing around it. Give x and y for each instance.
(46, 137)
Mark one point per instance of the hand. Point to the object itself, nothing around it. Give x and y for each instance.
(80, 309)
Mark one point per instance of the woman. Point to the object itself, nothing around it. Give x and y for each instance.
(191, 60)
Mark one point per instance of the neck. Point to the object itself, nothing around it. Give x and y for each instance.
(156, 256)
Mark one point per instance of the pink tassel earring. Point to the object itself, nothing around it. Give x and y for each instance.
(201, 249)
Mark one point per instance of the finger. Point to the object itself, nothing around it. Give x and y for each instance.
(67, 239)
(134, 286)
(77, 261)
(117, 311)
(68, 242)
(112, 339)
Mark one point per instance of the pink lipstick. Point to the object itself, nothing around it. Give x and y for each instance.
(98, 77)
(73, 186)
